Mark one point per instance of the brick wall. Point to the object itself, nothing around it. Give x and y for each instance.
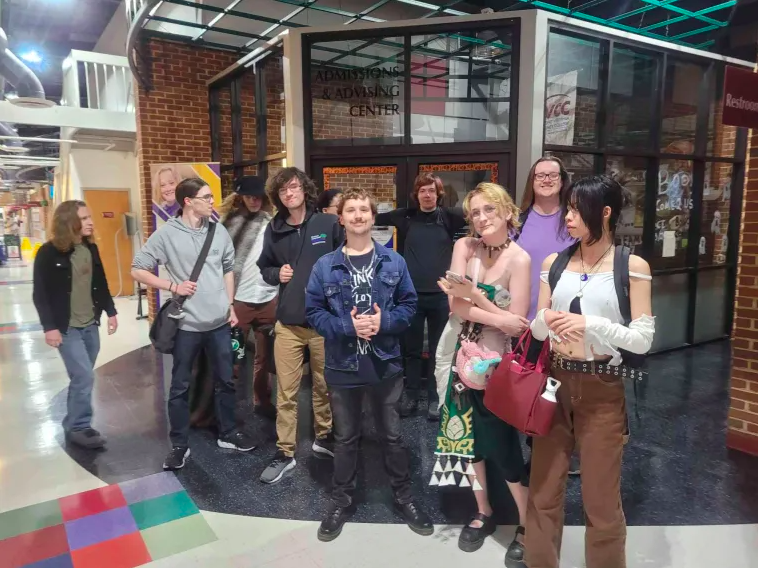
(742, 431)
(172, 119)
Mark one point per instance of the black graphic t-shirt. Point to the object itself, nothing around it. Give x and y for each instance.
(371, 369)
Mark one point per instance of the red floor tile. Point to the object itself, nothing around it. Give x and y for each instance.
(33, 547)
(125, 551)
(91, 502)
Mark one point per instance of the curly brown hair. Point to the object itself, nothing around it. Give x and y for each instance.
(66, 225)
(356, 193)
(279, 180)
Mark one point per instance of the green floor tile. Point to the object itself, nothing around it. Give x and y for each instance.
(163, 509)
(28, 519)
(177, 536)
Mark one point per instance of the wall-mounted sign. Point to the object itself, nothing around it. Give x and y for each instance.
(740, 99)
(361, 88)
(108, 214)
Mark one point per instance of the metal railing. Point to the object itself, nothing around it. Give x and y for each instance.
(97, 81)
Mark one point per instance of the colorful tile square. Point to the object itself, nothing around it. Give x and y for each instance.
(150, 487)
(62, 561)
(177, 536)
(28, 519)
(163, 509)
(125, 551)
(33, 546)
(91, 502)
(101, 527)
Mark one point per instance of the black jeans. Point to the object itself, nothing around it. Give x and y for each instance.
(434, 309)
(218, 348)
(347, 413)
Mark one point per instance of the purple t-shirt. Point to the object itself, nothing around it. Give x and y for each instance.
(539, 237)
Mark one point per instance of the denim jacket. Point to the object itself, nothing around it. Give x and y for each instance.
(328, 303)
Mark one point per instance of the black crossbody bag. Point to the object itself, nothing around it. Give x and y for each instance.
(166, 322)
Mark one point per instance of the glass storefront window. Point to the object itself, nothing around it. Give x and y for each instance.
(577, 165)
(721, 137)
(672, 218)
(630, 109)
(461, 87)
(717, 200)
(710, 313)
(357, 90)
(631, 173)
(247, 118)
(679, 113)
(573, 92)
(670, 304)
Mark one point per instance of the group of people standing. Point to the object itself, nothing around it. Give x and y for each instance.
(314, 272)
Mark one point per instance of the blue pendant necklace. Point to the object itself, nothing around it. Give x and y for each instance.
(585, 274)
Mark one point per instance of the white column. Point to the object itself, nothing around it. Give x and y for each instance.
(531, 94)
(293, 99)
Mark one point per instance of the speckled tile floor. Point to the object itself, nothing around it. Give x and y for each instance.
(687, 499)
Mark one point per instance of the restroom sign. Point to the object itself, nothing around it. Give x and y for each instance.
(740, 99)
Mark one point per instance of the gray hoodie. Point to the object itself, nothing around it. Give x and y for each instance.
(177, 246)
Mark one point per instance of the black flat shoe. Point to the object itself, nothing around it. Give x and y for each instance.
(416, 519)
(514, 557)
(472, 538)
(331, 526)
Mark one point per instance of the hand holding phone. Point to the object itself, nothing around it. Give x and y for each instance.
(454, 277)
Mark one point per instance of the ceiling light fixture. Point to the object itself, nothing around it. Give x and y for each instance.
(31, 56)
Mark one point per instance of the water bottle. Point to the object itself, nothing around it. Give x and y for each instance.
(550, 389)
(238, 346)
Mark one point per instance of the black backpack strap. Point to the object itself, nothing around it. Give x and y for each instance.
(560, 264)
(203, 253)
(621, 282)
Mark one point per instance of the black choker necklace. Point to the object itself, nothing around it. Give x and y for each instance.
(496, 248)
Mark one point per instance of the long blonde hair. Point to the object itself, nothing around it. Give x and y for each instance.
(233, 203)
(499, 197)
(66, 226)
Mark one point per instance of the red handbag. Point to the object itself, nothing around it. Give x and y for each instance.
(514, 391)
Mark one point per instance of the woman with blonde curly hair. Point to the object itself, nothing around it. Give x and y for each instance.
(488, 282)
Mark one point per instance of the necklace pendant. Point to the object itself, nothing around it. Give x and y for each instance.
(584, 277)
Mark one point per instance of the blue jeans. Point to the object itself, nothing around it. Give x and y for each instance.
(218, 349)
(79, 351)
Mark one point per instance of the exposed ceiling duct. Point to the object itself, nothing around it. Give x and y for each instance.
(12, 144)
(28, 87)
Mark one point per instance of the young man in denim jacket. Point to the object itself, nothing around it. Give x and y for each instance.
(360, 298)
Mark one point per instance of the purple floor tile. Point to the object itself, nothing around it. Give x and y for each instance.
(150, 487)
(98, 528)
(62, 561)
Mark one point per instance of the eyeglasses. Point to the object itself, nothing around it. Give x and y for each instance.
(292, 188)
(207, 198)
(488, 210)
(552, 176)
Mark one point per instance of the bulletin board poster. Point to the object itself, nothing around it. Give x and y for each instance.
(385, 235)
(164, 177)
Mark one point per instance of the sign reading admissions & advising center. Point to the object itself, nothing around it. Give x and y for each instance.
(740, 97)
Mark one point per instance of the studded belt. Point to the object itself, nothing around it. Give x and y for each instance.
(595, 368)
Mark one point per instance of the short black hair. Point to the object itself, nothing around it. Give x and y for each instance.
(326, 198)
(187, 189)
(589, 196)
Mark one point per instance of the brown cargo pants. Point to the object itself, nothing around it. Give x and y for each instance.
(591, 415)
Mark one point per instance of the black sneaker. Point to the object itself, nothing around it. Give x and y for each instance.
(176, 458)
(238, 441)
(325, 445)
(331, 526)
(408, 406)
(278, 468)
(88, 438)
(416, 519)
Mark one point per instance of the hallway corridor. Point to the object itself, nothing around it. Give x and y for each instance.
(690, 503)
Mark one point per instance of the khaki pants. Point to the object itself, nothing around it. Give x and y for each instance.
(289, 346)
(591, 414)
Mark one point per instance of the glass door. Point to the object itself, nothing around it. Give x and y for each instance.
(380, 177)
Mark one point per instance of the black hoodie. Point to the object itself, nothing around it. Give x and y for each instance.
(300, 247)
